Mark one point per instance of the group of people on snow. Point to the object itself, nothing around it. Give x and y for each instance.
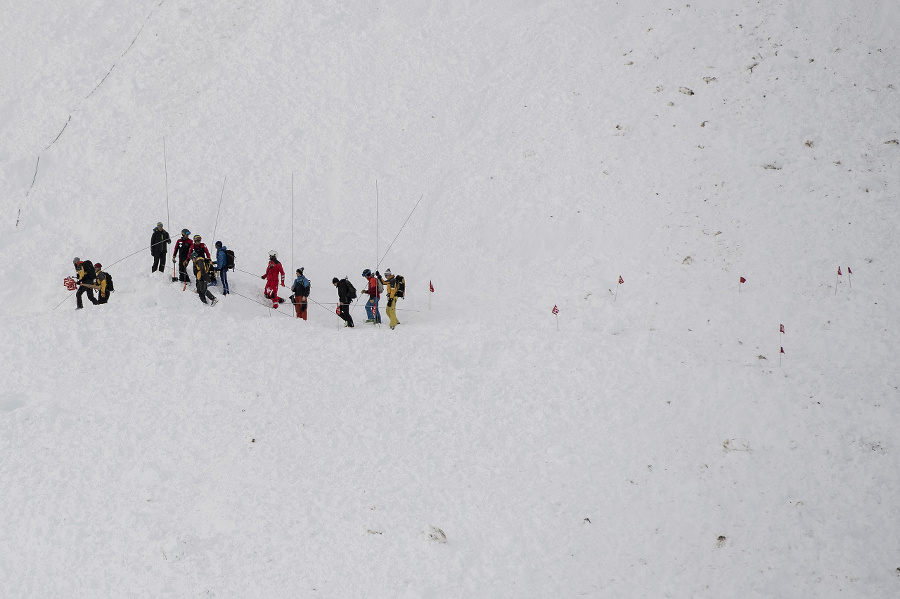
(191, 252)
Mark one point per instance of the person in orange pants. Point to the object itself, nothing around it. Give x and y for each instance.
(301, 294)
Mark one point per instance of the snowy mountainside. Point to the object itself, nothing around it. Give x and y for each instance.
(651, 442)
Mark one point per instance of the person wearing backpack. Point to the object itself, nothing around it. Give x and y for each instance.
(86, 279)
(373, 289)
(202, 268)
(274, 270)
(222, 265)
(301, 294)
(346, 295)
(159, 247)
(104, 284)
(396, 288)
(184, 247)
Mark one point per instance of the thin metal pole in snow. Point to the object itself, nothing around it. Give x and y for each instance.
(292, 222)
(166, 167)
(221, 197)
(401, 230)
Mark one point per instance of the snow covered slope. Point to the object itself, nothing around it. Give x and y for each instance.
(653, 442)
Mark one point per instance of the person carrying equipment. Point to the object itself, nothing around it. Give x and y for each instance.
(201, 274)
(346, 295)
(183, 249)
(394, 292)
(159, 247)
(104, 284)
(273, 271)
(222, 265)
(199, 246)
(301, 294)
(86, 278)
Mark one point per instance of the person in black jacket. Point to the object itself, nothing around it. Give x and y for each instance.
(159, 247)
(86, 280)
(344, 299)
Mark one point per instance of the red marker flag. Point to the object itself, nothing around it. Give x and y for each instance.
(839, 272)
(555, 310)
(621, 280)
(782, 328)
(743, 280)
(850, 272)
(430, 286)
(782, 350)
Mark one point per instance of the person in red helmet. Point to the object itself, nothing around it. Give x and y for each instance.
(274, 270)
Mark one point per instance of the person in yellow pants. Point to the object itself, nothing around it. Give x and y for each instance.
(391, 288)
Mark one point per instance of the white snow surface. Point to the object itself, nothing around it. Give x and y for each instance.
(650, 442)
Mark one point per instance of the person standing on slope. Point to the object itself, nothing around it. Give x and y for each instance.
(159, 247)
(372, 313)
(346, 295)
(301, 294)
(201, 274)
(86, 278)
(222, 265)
(183, 249)
(274, 270)
(391, 285)
(104, 283)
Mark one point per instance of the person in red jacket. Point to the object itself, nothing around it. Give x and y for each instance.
(183, 249)
(273, 271)
(372, 314)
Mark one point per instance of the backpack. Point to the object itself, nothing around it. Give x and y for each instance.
(351, 290)
(301, 287)
(90, 273)
(379, 287)
(109, 283)
(400, 286)
(229, 259)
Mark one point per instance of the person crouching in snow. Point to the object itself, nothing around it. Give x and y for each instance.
(201, 273)
(273, 271)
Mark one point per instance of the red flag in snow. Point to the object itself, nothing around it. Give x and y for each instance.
(849, 272)
(555, 310)
(782, 350)
(839, 272)
(743, 280)
(430, 286)
(621, 280)
(782, 328)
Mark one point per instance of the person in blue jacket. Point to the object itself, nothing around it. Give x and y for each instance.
(222, 266)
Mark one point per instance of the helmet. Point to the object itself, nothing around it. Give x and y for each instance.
(76, 260)
(334, 281)
(98, 266)
(185, 232)
(367, 273)
(159, 225)
(387, 273)
(197, 238)
(273, 254)
(218, 244)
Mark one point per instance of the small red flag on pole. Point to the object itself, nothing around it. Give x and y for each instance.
(849, 278)
(431, 287)
(741, 282)
(621, 280)
(779, 356)
(556, 313)
(616, 296)
(555, 310)
(836, 279)
(839, 272)
(782, 329)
